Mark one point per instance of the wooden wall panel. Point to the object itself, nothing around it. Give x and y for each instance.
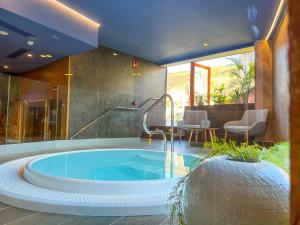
(294, 62)
(281, 82)
(53, 73)
(264, 85)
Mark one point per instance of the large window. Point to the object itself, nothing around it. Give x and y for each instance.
(178, 86)
(226, 80)
(232, 79)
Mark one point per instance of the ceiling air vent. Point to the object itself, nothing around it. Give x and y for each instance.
(17, 53)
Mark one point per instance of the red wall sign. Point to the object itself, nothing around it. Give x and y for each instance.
(135, 63)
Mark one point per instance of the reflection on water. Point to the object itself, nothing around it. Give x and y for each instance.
(175, 166)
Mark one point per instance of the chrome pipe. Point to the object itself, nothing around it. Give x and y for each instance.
(161, 132)
(172, 122)
(110, 110)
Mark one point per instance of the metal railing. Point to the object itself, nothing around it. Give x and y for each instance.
(110, 110)
(146, 129)
(161, 132)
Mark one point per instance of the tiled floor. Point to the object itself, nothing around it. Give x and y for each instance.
(15, 216)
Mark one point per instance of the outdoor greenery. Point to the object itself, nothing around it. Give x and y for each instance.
(218, 96)
(200, 99)
(239, 87)
(277, 154)
(244, 75)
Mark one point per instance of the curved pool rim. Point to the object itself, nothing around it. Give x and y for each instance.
(99, 187)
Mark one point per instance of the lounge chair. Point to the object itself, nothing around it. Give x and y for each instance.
(253, 123)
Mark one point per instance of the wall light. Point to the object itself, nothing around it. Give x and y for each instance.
(205, 44)
(3, 33)
(29, 55)
(75, 13)
(278, 12)
(5, 67)
(115, 54)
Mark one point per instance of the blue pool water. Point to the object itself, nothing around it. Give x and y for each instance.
(115, 165)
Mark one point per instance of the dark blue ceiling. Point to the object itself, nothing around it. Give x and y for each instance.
(164, 31)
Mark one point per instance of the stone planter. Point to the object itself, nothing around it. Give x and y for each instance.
(226, 192)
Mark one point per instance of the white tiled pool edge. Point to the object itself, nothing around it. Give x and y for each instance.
(14, 190)
(62, 145)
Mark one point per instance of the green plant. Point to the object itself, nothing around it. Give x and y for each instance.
(245, 81)
(239, 152)
(277, 154)
(200, 99)
(235, 95)
(218, 96)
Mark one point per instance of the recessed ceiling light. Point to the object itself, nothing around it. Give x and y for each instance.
(45, 56)
(29, 55)
(4, 33)
(115, 54)
(5, 67)
(205, 44)
(30, 42)
(54, 36)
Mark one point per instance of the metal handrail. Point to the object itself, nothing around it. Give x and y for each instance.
(161, 132)
(110, 110)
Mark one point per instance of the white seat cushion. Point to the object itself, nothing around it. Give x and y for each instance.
(189, 126)
(237, 128)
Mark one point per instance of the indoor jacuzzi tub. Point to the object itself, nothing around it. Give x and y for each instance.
(101, 182)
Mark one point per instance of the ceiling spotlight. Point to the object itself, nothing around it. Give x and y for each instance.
(30, 42)
(5, 67)
(115, 54)
(29, 55)
(54, 36)
(205, 44)
(4, 33)
(45, 56)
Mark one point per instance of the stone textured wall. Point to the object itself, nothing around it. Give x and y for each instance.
(281, 82)
(102, 80)
(294, 59)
